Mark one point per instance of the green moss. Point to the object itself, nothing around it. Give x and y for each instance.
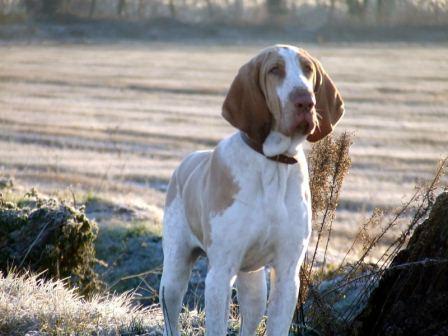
(90, 197)
(142, 229)
(48, 235)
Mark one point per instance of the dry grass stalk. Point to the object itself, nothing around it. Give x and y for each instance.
(329, 162)
(364, 236)
(419, 204)
(320, 312)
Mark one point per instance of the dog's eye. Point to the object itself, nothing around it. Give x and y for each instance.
(307, 68)
(275, 70)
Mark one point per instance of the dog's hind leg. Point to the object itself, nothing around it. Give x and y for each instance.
(252, 297)
(178, 261)
(172, 290)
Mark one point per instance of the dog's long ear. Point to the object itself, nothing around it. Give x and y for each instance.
(329, 103)
(245, 105)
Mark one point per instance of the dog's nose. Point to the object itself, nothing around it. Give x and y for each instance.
(303, 100)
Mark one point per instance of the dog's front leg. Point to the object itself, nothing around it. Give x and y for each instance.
(217, 297)
(285, 283)
(252, 297)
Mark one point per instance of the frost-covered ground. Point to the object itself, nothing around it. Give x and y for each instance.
(33, 307)
(36, 307)
(115, 119)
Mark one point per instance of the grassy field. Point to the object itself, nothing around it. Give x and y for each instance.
(116, 119)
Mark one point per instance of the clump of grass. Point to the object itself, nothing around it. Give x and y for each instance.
(192, 323)
(47, 307)
(45, 235)
(31, 304)
(6, 183)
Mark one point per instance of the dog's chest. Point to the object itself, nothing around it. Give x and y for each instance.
(279, 217)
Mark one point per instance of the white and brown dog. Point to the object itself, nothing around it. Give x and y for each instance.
(246, 203)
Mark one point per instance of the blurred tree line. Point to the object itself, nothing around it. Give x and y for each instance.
(361, 11)
(356, 8)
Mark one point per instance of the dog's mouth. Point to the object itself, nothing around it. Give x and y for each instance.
(305, 123)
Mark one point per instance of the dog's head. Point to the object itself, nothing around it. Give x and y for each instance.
(281, 97)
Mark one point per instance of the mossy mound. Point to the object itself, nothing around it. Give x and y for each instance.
(45, 235)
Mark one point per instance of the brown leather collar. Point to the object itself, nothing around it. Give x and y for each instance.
(259, 148)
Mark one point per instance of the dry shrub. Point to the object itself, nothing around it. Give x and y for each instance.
(45, 235)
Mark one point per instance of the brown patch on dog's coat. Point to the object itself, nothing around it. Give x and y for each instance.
(201, 173)
(223, 184)
(245, 104)
(329, 103)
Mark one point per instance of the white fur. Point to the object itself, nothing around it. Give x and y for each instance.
(295, 144)
(294, 75)
(276, 143)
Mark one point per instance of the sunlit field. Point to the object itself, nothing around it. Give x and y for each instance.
(116, 119)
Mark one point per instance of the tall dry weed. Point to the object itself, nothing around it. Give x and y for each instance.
(329, 162)
(419, 205)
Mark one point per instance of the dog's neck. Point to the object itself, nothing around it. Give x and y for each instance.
(277, 143)
(273, 148)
